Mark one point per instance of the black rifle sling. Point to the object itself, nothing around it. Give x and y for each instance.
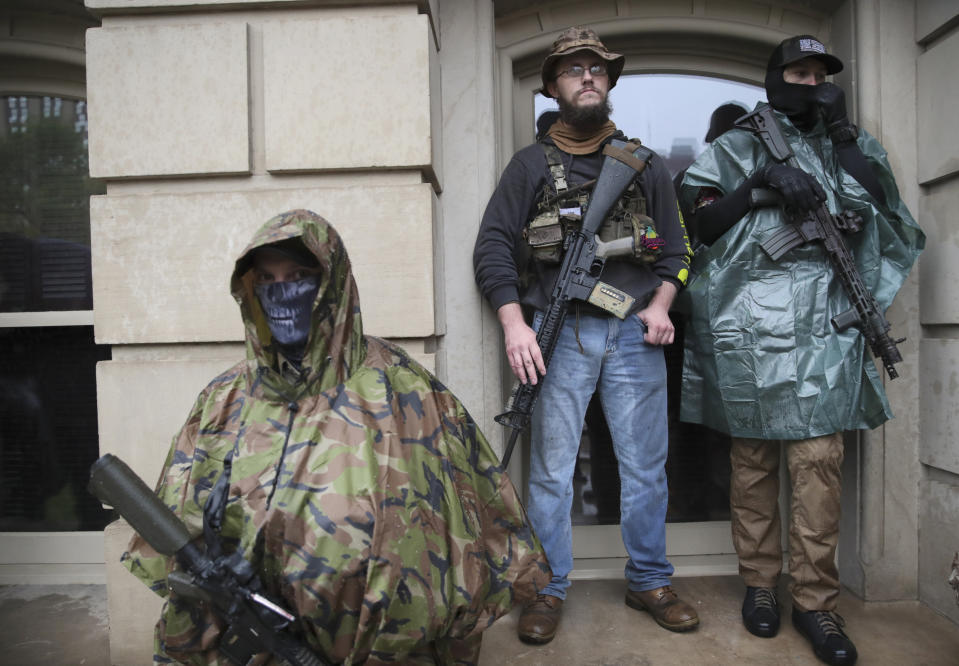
(554, 160)
(214, 509)
(632, 153)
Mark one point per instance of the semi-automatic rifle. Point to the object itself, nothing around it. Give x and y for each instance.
(228, 584)
(827, 228)
(584, 256)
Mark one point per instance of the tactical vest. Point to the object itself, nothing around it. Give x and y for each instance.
(560, 212)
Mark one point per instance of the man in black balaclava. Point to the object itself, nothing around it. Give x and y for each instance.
(762, 362)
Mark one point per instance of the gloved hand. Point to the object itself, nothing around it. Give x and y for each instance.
(832, 101)
(798, 189)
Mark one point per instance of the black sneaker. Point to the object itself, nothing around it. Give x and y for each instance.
(824, 631)
(761, 611)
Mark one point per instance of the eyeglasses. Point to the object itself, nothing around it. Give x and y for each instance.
(577, 71)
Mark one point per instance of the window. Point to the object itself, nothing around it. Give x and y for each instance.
(670, 113)
(48, 420)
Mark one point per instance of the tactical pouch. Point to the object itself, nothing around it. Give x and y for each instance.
(546, 233)
(629, 219)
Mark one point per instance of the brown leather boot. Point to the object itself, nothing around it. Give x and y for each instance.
(669, 611)
(539, 619)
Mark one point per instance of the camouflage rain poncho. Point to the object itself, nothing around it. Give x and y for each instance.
(365, 496)
(762, 358)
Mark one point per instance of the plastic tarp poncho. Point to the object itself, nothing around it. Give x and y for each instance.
(762, 359)
(365, 495)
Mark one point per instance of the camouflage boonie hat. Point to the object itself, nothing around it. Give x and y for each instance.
(580, 38)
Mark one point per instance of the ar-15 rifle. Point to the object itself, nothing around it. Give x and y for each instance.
(584, 256)
(821, 225)
(229, 585)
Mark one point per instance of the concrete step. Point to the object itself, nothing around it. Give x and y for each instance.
(67, 624)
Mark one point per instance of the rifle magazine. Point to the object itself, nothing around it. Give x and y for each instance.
(782, 242)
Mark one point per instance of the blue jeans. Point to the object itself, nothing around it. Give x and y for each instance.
(631, 376)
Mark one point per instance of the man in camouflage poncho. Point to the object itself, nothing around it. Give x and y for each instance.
(359, 487)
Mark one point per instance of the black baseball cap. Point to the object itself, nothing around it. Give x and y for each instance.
(799, 47)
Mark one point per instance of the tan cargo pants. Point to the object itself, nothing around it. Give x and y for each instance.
(814, 470)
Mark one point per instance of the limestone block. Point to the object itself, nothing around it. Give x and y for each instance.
(581, 13)
(168, 100)
(798, 23)
(938, 542)
(327, 108)
(940, 259)
(750, 12)
(939, 362)
(141, 405)
(659, 8)
(110, 7)
(516, 29)
(162, 262)
(132, 607)
(932, 15)
(937, 97)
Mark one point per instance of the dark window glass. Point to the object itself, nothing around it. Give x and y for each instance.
(45, 193)
(48, 412)
(48, 428)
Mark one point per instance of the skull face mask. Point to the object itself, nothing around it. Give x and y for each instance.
(288, 306)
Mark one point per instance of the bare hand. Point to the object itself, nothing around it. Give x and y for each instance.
(522, 351)
(659, 327)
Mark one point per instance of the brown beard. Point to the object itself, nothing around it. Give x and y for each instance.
(586, 118)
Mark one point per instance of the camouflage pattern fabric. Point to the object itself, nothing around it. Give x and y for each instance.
(363, 492)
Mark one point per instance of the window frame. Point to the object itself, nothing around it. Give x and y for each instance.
(51, 558)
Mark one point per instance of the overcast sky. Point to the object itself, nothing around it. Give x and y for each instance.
(659, 108)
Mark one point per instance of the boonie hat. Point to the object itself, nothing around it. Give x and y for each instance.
(799, 47)
(580, 38)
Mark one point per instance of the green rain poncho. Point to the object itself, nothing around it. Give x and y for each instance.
(365, 495)
(762, 359)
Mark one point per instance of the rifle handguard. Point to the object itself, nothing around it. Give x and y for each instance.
(115, 484)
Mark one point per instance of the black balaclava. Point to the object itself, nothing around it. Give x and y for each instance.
(796, 99)
(793, 99)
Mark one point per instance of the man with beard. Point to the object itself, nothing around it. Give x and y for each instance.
(622, 359)
(763, 362)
